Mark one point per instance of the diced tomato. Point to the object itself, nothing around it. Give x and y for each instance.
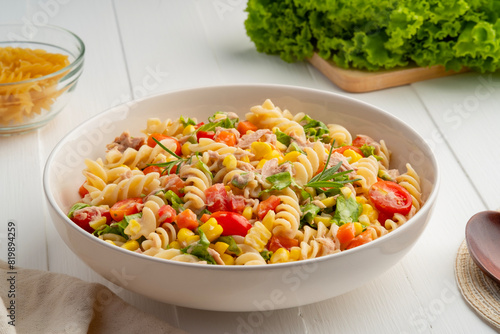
(245, 126)
(354, 148)
(346, 233)
(359, 141)
(217, 198)
(205, 217)
(152, 169)
(390, 198)
(172, 143)
(232, 223)
(276, 242)
(124, 208)
(84, 220)
(187, 219)
(237, 204)
(83, 191)
(174, 182)
(205, 134)
(363, 238)
(198, 125)
(265, 206)
(227, 138)
(166, 214)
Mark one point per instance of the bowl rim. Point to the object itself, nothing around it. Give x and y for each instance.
(428, 205)
(78, 58)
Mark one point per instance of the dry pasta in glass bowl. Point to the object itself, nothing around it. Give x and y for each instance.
(39, 69)
(277, 189)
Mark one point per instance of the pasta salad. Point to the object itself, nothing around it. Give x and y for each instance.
(272, 188)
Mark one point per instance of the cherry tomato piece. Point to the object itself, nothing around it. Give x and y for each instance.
(85, 216)
(152, 169)
(389, 197)
(265, 206)
(187, 219)
(360, 141)
(382, 217)
(171, 143)
(217, 198)
(227, 138)
(166, 214)
(276, 242)
(83, 191)
(124, 208)
(205, 134)
(245, 126)
(199, 124)
(232, 223)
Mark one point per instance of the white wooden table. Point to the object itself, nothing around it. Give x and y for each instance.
(195, 43)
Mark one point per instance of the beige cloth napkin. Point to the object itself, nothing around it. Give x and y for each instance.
(47, 302)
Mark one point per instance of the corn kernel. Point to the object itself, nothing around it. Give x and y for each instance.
(268, 220)
(211, 229)
(248, 212)
(295, 253)
(369, 212)
(110, 242)
(188, 130)
(98, 223)
(358, 228)
(124, 166)
(230, 162)
(134, 226)
(360, 199)
(281, 159)
(311, 191)
(228, 259)
(292, 156)
(131, 245)
(183, 234)
(185, 149)
(329, 201)
(192, 238)
(352, 154)
(327, 221)
(260, 149)
(261, 164)
(280, 256)
(347, 192)
(175, 244)
(221, 247)
(274, 154)
(245, 159)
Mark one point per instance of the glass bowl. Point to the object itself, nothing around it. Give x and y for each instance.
(31, 96)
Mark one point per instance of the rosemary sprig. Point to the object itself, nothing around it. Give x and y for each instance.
(330, 177)
(170, 164)
(166, 148)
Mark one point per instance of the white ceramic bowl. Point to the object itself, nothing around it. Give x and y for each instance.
(242, 288)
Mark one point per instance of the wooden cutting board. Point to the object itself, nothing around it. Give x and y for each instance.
(358, 81)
